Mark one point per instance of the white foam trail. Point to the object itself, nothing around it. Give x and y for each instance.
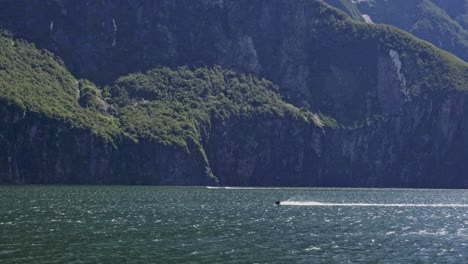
(297, 203)
(243, 188)
(252, 188)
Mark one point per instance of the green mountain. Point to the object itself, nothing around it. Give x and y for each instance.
(441, 22)
(303, 96)
(457, 9)
(146, 128)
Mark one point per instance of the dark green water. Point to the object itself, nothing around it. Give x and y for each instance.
(199, 225)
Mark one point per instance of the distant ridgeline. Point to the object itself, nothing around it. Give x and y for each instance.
(234, 92)
(444, 23)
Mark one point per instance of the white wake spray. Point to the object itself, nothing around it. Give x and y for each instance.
(303, 203)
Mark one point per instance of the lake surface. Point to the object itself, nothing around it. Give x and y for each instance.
(54, 224)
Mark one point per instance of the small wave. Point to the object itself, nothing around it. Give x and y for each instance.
(441, 232)
(313, 249)
(299, 203)
(6, 251)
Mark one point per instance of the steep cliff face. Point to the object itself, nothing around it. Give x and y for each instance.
(113, 38)
(369, 105)
(423, 145)
(317, 56)
(37, 149)
(266, 152)
(151, 128)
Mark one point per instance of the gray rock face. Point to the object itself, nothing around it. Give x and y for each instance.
(424, 145)
(266, 153)
(38, 150)
(421, 146)
(293, 43)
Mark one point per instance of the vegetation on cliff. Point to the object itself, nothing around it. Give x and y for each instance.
(441, 22)
(351, 62)
(435, 69)
(37, 81)
(169, 105)
(172, 107)
(318, 59)
(457, 9)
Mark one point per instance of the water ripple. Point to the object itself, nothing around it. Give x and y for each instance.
(43, 224)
